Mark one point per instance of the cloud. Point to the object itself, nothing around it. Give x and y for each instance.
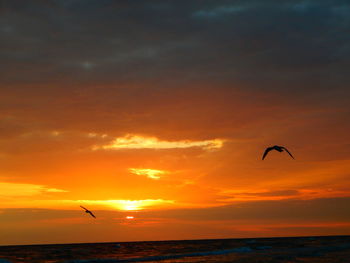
(239, 195)
(218, 11)
(282, 36)
(140, 142)
(17, 189)
(320, 209)
(277, 193)
(150, 173)
(289, 194)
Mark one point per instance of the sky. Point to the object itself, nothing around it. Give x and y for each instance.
(155, 114)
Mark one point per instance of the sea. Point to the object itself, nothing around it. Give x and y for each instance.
(327, 249)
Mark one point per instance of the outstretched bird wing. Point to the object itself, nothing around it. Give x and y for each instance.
(288, 152)
(83, 207)
(91, 214)
(266, 152)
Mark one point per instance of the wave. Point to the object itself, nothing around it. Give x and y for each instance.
(166, 257)
(288, 253)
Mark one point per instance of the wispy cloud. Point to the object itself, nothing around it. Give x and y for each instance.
(150, 173)
(268, 195)
(16, 189)
(141, 142)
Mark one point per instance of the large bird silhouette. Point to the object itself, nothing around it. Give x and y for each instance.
(88, 211)
(277, 148)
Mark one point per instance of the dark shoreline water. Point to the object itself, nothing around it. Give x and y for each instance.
(177, 240)
(278, 249)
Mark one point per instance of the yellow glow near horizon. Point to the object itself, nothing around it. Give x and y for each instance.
(122, 205)
(150, 173)
(140, 142)
(128, 205)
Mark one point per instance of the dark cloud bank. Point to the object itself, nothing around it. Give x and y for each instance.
(289, 42)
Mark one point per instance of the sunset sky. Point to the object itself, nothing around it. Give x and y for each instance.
(155, 115)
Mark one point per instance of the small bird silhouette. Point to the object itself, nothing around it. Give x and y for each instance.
(88, 211)
(277, 148)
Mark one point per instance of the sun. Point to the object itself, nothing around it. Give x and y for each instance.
(129, 217)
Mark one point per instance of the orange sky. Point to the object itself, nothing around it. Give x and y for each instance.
(161, 134)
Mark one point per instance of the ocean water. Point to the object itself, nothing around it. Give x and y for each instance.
(332, 249)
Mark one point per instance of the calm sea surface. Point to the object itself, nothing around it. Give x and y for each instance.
(301, 249)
